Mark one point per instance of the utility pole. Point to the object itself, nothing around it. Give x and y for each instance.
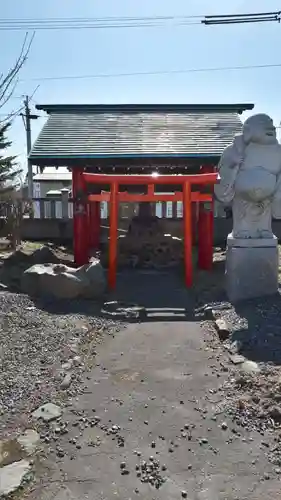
(27, 117)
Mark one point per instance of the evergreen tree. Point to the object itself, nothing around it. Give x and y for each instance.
(9, 169)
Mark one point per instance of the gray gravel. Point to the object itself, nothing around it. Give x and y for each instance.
(35, 343)
(251, 400)
(255, 325)
(256, 328)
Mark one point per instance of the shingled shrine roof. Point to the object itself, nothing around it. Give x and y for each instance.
(76, 132)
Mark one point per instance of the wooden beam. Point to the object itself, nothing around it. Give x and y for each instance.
(127, 197)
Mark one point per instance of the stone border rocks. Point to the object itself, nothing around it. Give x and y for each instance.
(250, 394)
(15, 461)
(15, 454)
(122, 311)
(12, 477)
(224, 329)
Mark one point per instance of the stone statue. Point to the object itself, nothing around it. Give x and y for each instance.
(250, 178)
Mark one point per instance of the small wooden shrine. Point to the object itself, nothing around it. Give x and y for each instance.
(139, 153)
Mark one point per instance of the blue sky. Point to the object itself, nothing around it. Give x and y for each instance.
(81, 52)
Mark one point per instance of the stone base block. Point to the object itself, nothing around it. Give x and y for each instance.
(251, 269)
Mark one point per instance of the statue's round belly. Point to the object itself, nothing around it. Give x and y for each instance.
(255, 185)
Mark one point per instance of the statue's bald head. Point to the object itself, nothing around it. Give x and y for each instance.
(259, 129)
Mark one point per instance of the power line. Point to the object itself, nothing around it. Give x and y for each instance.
(36, 27)
(240, 21)
(148, 73)
(103, 19)
(133, 22)
(253, 14)
(243, 18)
(9, 117)
(90, 22)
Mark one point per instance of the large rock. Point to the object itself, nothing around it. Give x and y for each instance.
(41, 255)
(12, 476)
(44, 255)
(29, 440)
(150, 251)
(48, 412)
(64, 282)
(20, 260)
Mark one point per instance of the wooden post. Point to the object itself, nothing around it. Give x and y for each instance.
(80, 229)
(187, 231)
(205, 236)
(195, 211)
(97, 224)
(94, 217)
(113, 232)
(205, 230)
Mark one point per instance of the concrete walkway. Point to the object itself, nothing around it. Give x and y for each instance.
(147, 413)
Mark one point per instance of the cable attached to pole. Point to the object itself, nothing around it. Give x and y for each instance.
(243, 18)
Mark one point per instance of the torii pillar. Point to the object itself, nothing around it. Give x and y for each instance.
(206, 229)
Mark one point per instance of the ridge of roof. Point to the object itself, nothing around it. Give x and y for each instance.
(144, 108)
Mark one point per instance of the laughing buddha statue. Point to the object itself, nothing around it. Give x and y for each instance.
(250, 178)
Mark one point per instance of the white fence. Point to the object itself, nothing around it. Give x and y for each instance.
(58, 208)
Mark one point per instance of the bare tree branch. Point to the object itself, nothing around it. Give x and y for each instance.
(8, 83)
(10, 116)
(7, 94)
(12, 73)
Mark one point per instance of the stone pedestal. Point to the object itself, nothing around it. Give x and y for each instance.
(251, 268)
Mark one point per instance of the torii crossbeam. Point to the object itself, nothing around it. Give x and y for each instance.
(82, 220)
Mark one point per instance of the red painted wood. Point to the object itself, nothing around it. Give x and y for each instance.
(189, 199)
(94, 224)
(187, 234)
(128, 197)
(210, 178)
(113, 234)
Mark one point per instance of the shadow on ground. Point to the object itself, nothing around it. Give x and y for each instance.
(259, 336)
(145, 296)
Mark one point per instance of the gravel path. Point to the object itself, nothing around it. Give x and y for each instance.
(38, 343)
(147, 426)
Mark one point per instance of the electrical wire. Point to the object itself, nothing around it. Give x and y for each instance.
(36, 27)
(10, 116)
(90, 23)
(243, 18)
(152, 73)
(240, 21)
(77, 23)
(253, 14)
(103, 19)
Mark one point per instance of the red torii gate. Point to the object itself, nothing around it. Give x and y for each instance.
(86, 215)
